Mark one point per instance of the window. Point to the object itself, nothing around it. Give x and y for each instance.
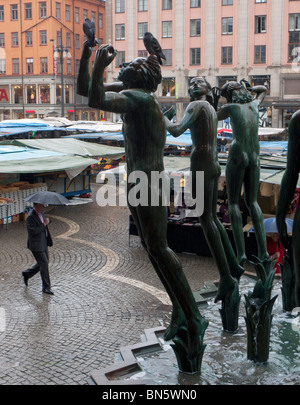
(2, 40)
(195, 56)
(44, 91)
(168, 86)
(59, 38)
(195, 3)
(120, 58)
(260, 1)
(294, 45)
(227, 26)
(93, 16)
(260, 24)
(43, 37)
(168, 55)
(195, 28)
(142, 28)
(260, 54)
(68, 40)
(100, 20)
(43, 9)
(226, 55)
(57, 11)
(68, 13)
(44, 65)
(77, 15)
(18, 91)
(2, 66)
(120, 6)
(227, 2)
(30, 93)
(120, 31)
(28, 11)
(16, 66)
(167, 29)
(28, 38)
(85, 14)
(1, 13)
(29, 65)
(14, 12)
(142, 5)
(167, 4)
(294, 22)
(69, 67)
(14, 39)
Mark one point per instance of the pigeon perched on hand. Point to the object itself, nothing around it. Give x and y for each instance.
(153, 47)
(89, 30)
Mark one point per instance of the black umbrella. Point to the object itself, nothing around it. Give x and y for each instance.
(47, 198)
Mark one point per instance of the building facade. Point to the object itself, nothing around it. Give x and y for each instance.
(40, 48)
(221, 40)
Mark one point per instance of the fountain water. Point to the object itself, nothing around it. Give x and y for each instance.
(225, 357)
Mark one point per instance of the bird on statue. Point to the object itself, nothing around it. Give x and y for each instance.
(153, 47)
(89, 30)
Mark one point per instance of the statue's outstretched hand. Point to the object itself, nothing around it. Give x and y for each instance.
(170, 113)
(86, 51)
(247, 84)
(104, 56)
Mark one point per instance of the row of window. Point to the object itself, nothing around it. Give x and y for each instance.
(142, 5)
(43, 39)
(14, 12)
(195, 26)
(29, 66)
(195, 56)
(33, 94)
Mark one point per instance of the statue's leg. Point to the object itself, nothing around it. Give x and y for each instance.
(296, 253)
(234, 179)
(178, 318)
(213, 237)
(251, 186)
(153, 222)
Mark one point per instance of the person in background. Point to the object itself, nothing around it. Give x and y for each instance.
(39, 239)
(275, 249)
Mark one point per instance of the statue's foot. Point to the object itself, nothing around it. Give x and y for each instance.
(177, 321)
(196, 332)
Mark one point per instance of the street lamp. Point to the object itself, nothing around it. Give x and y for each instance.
(61, 52)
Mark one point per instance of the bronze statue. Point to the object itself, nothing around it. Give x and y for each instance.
(200, 117)
(144, 131)
(286, 193)
(243, 164)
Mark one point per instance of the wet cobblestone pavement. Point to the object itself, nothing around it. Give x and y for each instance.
(106, 295)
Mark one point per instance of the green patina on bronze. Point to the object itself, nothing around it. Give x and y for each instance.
(144, 131)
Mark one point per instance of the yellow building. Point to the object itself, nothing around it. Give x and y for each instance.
(40, 49)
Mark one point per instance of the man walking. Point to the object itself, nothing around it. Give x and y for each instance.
(39, 239)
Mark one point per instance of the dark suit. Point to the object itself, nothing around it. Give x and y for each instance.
(39, 239)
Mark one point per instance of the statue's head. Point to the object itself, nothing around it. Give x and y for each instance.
(235, 92)
(199, 87)
(142, 73)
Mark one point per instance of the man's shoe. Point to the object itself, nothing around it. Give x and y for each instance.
(48, 291)
(25, 277)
